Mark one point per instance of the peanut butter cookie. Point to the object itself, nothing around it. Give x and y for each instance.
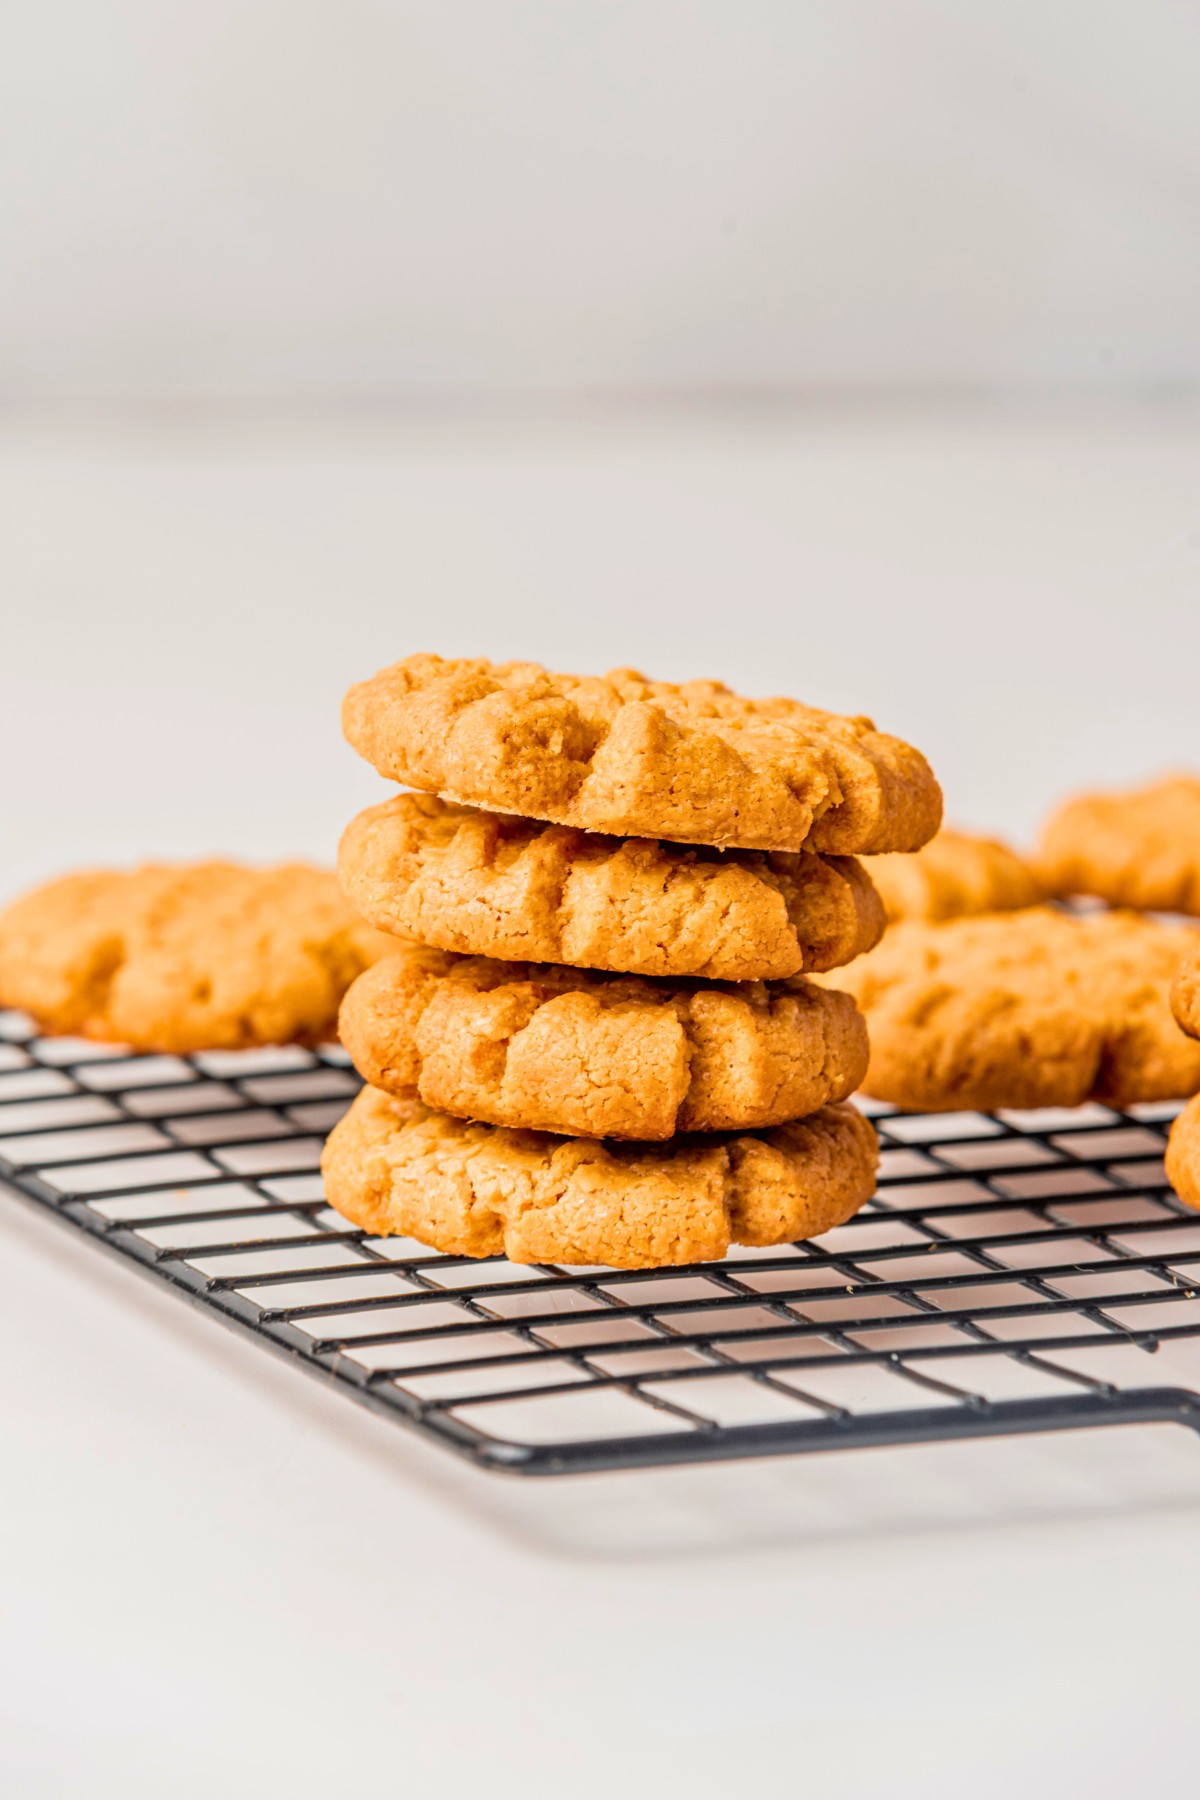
(392, 1166)
(198, 956)
(955, 875)
(546, 1048)
(1183, 1154)
(1139, 848)
(486, 884)
(1185, 991)
(1031, 1008)
(635, 758)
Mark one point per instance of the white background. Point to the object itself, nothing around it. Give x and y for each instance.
(847, 350)
(430, 196)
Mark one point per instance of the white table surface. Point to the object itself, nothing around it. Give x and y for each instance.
(218, 1578)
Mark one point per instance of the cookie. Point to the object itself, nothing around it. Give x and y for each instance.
(485, 884)
(393, 1166)
(544, 1048)
(955, 875)
(1032, 1008)
(198, 956)
(1138, 848)
(1185, 992)
(1183, 1154)
(636, 758)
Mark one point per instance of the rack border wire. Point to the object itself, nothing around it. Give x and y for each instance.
(1009, 1273)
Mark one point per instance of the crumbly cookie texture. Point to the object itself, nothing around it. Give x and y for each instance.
(545, 1048)
(1183, 1154)
(1139, 848)
(1185, 991)
(637, 758)
(956, 874)
(1032, 1008)
(393, 1166)
(486, 884)
(186, 957)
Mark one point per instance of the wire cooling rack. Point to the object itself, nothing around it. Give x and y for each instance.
(1027, 1271)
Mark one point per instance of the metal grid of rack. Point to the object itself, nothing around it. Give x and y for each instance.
(1017, 1272)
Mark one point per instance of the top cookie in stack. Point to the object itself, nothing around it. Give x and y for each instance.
(590, 867)
(696, 764)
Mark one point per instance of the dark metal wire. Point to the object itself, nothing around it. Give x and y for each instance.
(1018, 1272)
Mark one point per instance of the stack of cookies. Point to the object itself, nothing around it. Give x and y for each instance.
(598, 1044)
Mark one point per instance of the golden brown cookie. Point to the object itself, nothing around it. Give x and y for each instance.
(198, 956)
(1138, 848)
(635, 758)
(486, 884)
(1183, 1154)
(1185, 991)
(392, 1166)
(544, 1048)
(1032, 1008)
(954, 875)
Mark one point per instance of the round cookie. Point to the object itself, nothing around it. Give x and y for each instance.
(1139, 848)
(393, 1166)
(636, 758)
(486, 884)
(1183, 1154)
(1185, 992)
(199, 956)
(955, 875)
(545, 1048)
(1032, 1008)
